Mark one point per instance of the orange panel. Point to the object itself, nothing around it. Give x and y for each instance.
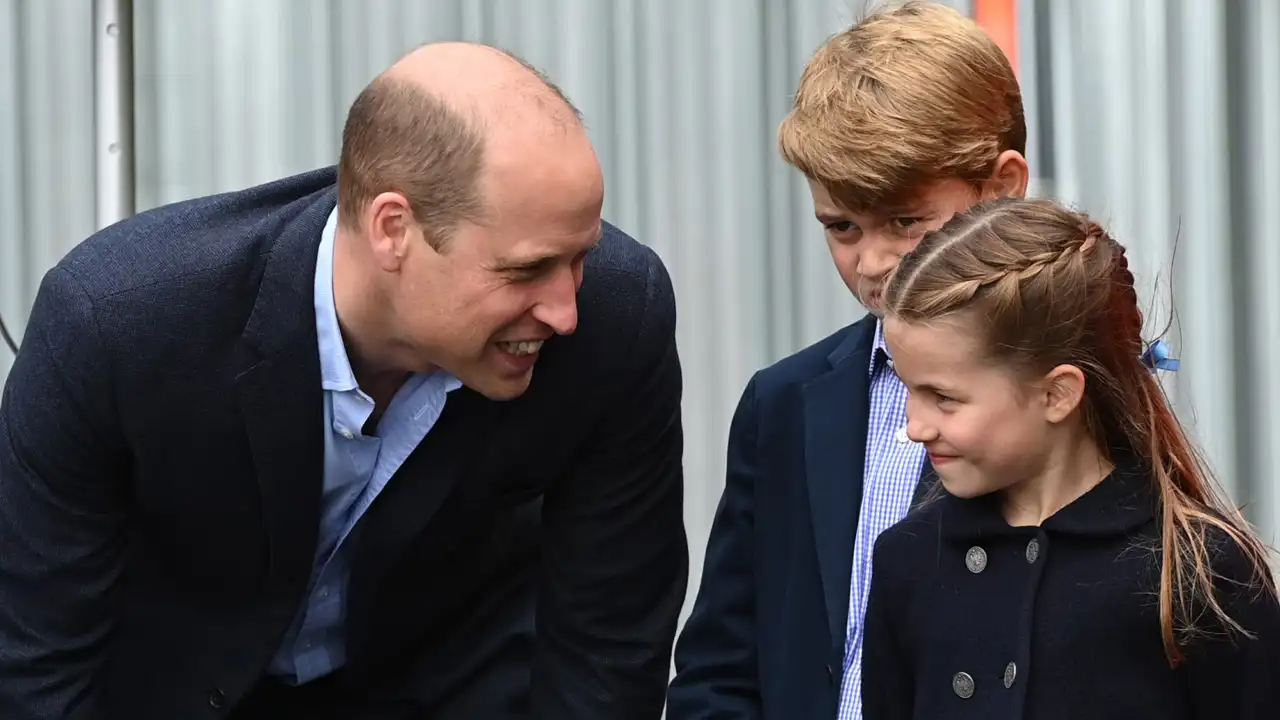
(1000, 19)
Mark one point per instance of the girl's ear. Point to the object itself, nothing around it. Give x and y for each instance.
(1063, 392)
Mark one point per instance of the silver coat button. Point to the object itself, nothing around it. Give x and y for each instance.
(975, 559)
(962, 684)
(1033, 550)
(1010, 674)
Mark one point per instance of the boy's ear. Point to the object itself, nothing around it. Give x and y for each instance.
(1010, 176)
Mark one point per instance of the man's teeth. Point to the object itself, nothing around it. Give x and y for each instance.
(527, 347)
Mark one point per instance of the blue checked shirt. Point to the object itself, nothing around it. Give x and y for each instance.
(893, 467)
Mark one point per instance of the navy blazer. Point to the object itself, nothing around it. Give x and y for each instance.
(971, 618)
(161, 471)
(766, 635)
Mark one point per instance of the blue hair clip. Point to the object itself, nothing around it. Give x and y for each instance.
(1157, 357)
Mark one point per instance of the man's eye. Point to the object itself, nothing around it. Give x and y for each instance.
(526, 274)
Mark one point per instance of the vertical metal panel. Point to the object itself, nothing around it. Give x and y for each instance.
(113, 109)
(1152, 224)
(1065, 182)
(1203, 270)
(46, 134)
(1260, 21)
(1028, 69)
(15, 273)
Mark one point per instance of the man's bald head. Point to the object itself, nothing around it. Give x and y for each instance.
(422, 126)
(489, 80)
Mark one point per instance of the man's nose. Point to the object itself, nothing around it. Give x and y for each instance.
(558, 308)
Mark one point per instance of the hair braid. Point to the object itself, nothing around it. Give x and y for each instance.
(1007, 279)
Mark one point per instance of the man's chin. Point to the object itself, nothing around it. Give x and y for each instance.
(499, 387)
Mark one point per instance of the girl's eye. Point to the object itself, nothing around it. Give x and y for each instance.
(905, 222)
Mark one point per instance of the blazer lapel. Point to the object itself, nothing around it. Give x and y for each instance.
(282, 405)
(278, 389)
(835, 417)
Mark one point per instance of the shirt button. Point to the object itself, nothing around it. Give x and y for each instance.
(962, 684)
(975, 559)
(1010, 674)
(217, 698)
(901, 435)
(346, 433)
(1033, 550)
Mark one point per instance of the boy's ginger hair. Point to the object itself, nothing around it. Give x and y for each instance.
(912, 94)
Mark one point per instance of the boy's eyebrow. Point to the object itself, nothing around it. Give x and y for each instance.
(827, 217)
(902, 208)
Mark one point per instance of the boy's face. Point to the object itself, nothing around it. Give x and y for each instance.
(866, 247)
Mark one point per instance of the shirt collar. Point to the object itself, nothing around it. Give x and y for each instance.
(879, 350)
(335, 366)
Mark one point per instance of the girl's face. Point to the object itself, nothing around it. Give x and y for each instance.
(985, 429)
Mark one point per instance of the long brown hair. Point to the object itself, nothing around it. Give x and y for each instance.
(1053, 287)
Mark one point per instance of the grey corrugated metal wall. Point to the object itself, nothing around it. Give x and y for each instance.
(1151, 112)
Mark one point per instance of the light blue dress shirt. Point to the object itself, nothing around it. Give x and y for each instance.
(356, 468)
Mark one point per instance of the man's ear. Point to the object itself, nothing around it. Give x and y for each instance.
(389, 229)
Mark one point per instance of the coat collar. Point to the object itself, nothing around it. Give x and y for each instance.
(1124, 500)
(278, 386)
(856, 345)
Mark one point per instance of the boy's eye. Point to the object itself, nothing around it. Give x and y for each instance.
(842, 226)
